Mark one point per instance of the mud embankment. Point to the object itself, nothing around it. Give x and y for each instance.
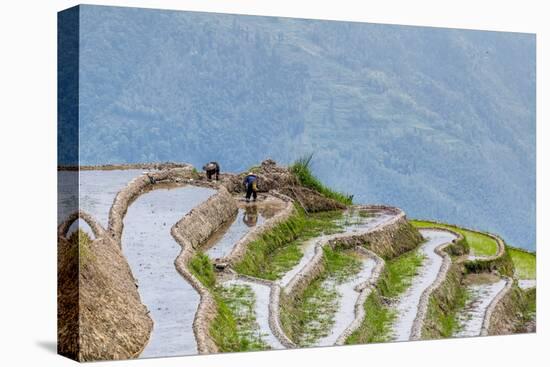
(496, 313)
(441, 299)
(507, 312)
(135, 188)
(125, 166)
(413, 304)
(239, 249)
(97, 294)
(389, 238)
(190, 232)
(364, 289)
(131, 337)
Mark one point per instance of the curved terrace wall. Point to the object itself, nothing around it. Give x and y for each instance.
(499, 261)
(96, 228)
(97, 293)
(194, 228)
(135, 188)
(442, 292)
(505, 314)
(444, 295)
(191, 231)
(389, 239)
(365, 290)
(123, 166)
(239, 249)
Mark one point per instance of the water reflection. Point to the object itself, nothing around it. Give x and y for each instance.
(250, 216)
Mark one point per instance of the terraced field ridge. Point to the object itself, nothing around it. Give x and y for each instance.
(480, 296)
(171, 263)
(412, 305)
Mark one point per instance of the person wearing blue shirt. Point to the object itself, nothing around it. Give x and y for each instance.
(251, 184)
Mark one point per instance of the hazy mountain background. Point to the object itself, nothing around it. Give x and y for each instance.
(439, 122)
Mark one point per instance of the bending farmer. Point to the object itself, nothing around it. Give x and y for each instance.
(251, 184)
(212, 169)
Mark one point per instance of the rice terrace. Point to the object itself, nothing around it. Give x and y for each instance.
(172, 262)
(233, 183)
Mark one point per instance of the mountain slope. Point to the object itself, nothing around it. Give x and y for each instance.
(440, 122)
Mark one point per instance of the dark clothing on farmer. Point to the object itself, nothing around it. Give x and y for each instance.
(212, 168)
(251, 183)
(251, 192)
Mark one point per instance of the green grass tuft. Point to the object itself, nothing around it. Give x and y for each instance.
(201, 267)
(254, 169)
(302, 171)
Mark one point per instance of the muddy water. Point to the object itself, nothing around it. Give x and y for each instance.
(151, 251)
(221, 244)
(347, 298)
(96, 191)
(352, 222)
(407, 306)
(261, 310)
(480, 297)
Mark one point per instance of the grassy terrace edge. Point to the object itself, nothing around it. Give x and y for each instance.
(225, 330)
(301, 169)
(516, 261)
(480, 244)
(450, 298)
(277, 251)
(317, 304)
(395, 279)
(525, 262)
(447, 301)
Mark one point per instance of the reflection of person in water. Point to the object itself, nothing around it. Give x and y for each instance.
(250, 217)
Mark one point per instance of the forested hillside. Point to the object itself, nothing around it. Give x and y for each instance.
(438, 122)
